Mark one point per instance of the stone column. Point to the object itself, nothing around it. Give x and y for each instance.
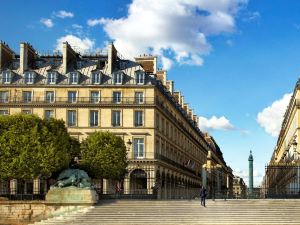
(36, 186)
(204, 176)
(151, 179)
(127, 184)
(105, 186)
(13, 187)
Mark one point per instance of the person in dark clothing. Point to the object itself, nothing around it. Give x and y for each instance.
(203, 195)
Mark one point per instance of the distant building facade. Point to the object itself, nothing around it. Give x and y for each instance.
(239, 188)
(167, 152)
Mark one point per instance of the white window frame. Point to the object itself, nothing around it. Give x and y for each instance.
(117, 99)
(6, 77)
(73, 77)
(6, 100)
(140, 78)
(137, 118)
(49, 111)
(118, 78)
(4, 114)
(29, 77)
(93, 99)
(52, 99)
(75, 121)
(139, 153)
(112, 119)
(139, 99)
(94, 75)
(51, 77)
(95, 120)
(31, 96)
(72, 99)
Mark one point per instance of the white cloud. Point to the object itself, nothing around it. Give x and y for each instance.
(179, 27)
(215, 123)
(270, 118)
(251, 16)
(77, 26)
(47, 22)
(64, 14)
(78, 44)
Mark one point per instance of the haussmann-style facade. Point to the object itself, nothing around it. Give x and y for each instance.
(168, 154)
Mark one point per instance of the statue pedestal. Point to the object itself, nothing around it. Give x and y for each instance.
(72, 195)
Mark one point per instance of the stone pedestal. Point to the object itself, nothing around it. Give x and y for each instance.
(72, 195)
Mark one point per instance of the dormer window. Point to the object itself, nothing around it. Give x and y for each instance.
(140, 78)
(118, 78)
(29, 77)
(73, 77)
(96, 78)
(51, 77)
(6, 77)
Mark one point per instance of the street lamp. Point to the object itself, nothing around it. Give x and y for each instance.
(128, 143)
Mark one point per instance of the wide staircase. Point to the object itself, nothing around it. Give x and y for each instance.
(275, 212)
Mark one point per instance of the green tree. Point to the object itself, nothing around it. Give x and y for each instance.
(104, 155)
(31, 147)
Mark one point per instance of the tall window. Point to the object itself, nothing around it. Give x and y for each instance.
(117, 97)
(49, 114)
(138, 148)
(73, 78)
(94, 118)
(29, 77)
(138, 118)
(95, 96)
(139, 97)
(118, 78)
(96, 78)
(3, 112)
(51, 78)
(140, 78)
(27, 96)
(3, 96)
(116, 118)
(72, 96)
(49, 96)
(71, 118)
(6, 77)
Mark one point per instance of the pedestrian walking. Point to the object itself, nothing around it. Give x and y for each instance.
(203, 195)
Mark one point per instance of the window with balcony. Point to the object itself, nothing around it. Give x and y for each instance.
(94, 118)
(96, 78)
(138, 118)
(118, 78)
(27, 96)
(72, 114)
(6, 77)
(139, 97)
(116, 118)
(49, 98)
(117, 97)
(73, 78)
(3, 112)
(49, 114)
(95, 96)
(26, 111)
(51, 77)
(72, 96)
(138, 148)
(29, 77)
(140, 77)
(3, 96)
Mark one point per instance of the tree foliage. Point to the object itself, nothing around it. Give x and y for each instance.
(31, 147)
(104, 155)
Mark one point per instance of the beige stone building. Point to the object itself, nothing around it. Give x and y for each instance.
(239, 188)
(282, 177)
(167, 152)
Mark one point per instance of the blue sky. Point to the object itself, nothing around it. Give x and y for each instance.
(230, 67)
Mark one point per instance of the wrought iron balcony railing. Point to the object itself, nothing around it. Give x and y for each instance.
(79, 100)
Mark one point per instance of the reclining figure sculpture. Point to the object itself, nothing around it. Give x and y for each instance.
(73, 178)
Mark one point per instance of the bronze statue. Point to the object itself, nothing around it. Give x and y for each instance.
(73, 178)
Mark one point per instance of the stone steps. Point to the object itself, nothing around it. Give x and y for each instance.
(244, 212)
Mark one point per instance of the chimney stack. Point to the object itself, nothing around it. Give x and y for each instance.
(6, 55)
(69, 56)
(27, 56)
